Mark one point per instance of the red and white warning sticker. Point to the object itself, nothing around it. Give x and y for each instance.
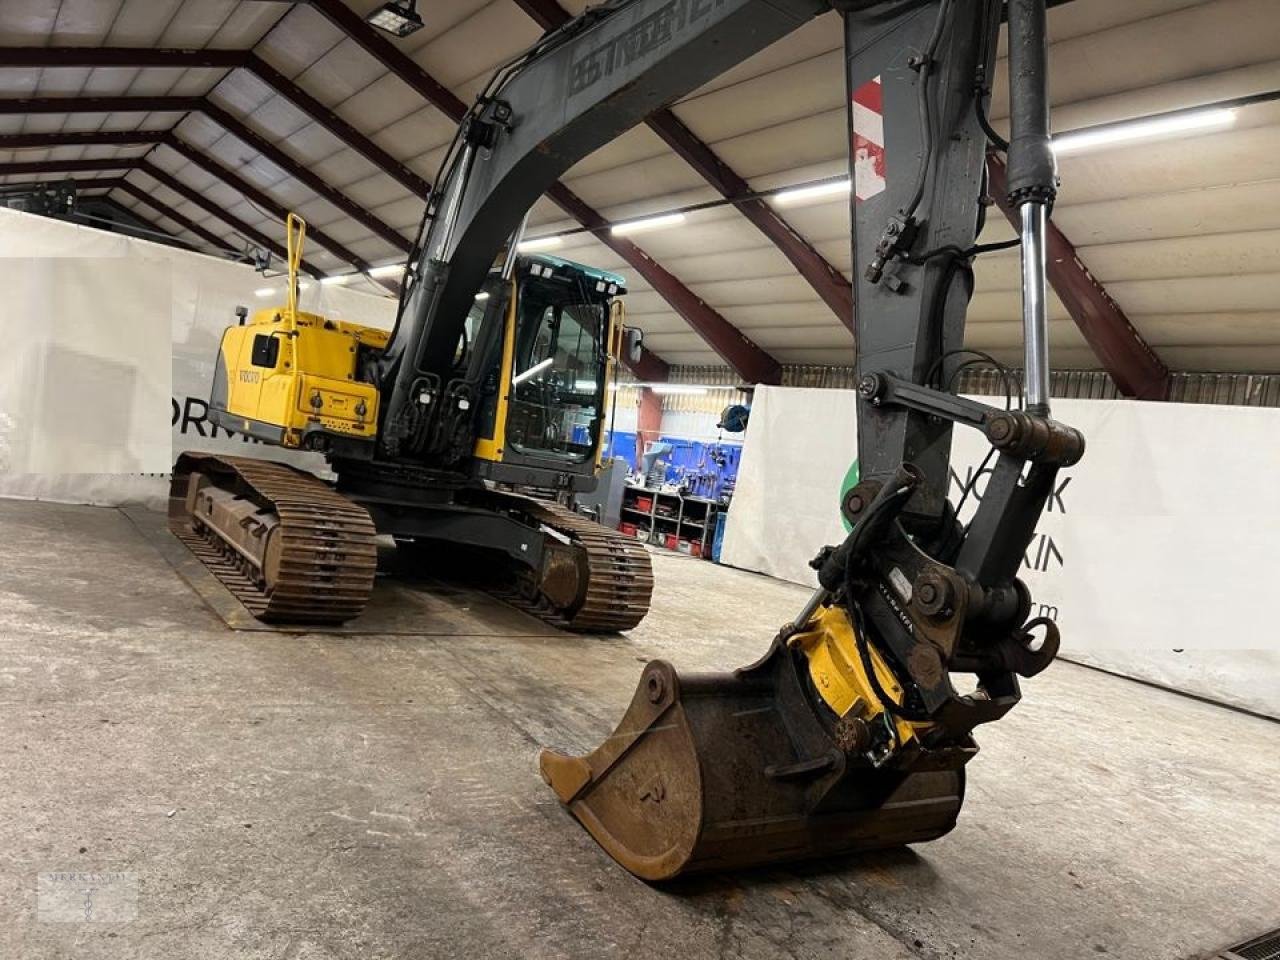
(868, 140)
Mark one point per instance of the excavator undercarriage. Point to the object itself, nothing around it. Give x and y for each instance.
(292, 549)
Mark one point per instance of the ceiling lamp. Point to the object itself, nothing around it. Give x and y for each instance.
(396, 17)
(1105, 135)
(647, 223)
(815, 191)
(675, 388)
(536, 368)
(539, 243)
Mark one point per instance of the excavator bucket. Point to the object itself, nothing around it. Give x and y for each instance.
(724, 771)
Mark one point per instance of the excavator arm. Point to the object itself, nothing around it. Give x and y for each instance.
(849, 733)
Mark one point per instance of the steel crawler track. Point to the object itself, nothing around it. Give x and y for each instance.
(328, 554)
(329, 557)
(619, 576)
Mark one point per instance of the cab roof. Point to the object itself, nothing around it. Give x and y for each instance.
(561, 266)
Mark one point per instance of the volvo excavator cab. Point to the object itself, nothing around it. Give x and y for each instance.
(545, 403)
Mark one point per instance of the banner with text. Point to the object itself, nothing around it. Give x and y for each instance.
(1159, 545)
(201, 294)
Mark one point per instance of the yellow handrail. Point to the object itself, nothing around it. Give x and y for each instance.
(295, 235)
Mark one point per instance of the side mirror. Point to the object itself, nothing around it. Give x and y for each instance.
(243, 314)
(633, 344)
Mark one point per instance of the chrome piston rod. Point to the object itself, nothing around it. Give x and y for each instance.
(452, 204)
(513, 248)
(1035, 326)
(811, 607)
(1032, 184)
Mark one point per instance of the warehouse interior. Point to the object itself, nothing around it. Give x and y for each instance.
(553, 654)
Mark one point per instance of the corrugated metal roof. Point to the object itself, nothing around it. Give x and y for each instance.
(1184, 233)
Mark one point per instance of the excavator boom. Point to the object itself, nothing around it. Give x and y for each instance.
(575, 90)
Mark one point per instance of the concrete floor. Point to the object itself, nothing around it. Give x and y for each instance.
(342, 796)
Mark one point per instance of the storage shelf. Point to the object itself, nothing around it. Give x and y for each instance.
(691, 519)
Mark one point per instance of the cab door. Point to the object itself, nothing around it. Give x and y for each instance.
(557, 380)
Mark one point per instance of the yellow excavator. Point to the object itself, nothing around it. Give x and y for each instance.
(529, 378)
(854, 730)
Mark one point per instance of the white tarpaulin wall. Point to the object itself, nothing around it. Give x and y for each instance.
(85, 372)
(1161, 539)
(201, 295)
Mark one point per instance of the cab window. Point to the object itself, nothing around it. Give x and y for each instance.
(558, 375)
(266, 351)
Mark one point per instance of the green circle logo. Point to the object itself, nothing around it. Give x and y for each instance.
(850, 481)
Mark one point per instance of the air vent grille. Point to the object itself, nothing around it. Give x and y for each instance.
(1266, 947)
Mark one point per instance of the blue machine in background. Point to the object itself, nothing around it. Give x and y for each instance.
(621, 445)
(702, 468)
(699, 468)
(722, 519)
